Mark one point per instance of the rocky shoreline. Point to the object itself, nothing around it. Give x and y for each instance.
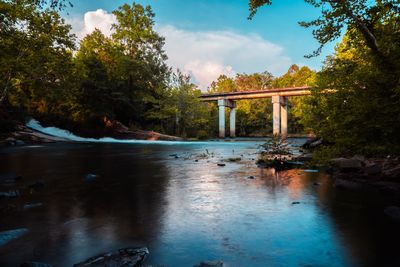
(359, 172)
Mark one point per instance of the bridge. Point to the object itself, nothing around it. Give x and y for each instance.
(279, 98)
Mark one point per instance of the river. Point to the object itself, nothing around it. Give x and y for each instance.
(186, 208)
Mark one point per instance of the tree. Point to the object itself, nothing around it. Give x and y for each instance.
(145, 71)
(181, 111)
(35, 55)
(359, 15)
(363, 114)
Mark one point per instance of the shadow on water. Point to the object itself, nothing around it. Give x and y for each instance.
(186, 208)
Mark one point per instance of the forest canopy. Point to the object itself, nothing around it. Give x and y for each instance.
(48, 74)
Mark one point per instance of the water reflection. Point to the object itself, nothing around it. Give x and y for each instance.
(185, 210)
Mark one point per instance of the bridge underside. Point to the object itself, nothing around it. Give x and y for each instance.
(279, 102)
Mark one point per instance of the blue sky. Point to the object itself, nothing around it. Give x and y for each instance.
(206, 38)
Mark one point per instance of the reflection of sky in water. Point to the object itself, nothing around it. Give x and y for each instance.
(216, 213)
(185, 211)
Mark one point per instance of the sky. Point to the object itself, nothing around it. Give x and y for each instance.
(207, 38)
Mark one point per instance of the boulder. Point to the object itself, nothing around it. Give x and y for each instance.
(90, 177)
(393, 212)
(122, 257)
(7, 236)
(344, 164)
(28, 206)
(392, 172)
(312, 143)
(10, 194)
(316, 143)
(216, 263)
(372, 169)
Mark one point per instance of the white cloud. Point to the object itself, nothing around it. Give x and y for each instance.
(207, 54)
(203, 54)
(99, 19)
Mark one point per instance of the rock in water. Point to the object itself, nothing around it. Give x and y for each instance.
(217, 263)
(90, 177)
(221, 164)
(9, 235)
(28, 206)
(129, 257)
(345, 164)
(10, 194)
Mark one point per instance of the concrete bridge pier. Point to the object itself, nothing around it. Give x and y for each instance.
(222, 103)
(279, 104)
(284, 117)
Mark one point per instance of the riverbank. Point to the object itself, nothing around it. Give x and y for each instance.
(360, 173)
(20, 134)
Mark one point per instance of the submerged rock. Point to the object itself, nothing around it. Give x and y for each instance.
(7, 236)
(90, 177)
(216, 263)
(393, 172)
(295, 202)
(11, 141)
(28, 206)
(311, 171)
(10, 194)
(122, 257)
(234, 159)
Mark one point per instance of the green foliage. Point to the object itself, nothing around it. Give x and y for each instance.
(359, 15)
(361, 112)
(181, 111)
(322, 156)
(35, 56)
(276, 146)
(275, 153)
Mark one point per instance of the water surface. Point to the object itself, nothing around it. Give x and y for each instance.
(184, 210)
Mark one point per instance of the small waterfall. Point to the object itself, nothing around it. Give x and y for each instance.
(57, 132)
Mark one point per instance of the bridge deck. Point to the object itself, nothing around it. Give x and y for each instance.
(292, 91)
